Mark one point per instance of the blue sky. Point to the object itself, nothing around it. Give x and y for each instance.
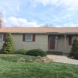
(35, 13)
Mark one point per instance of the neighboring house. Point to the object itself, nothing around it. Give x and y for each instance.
(48, 39)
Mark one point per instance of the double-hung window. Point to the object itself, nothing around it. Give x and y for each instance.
(1, 37)
(28, 37)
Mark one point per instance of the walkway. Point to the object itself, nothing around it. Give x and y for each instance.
(63, 59)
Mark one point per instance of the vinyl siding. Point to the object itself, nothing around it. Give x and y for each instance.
(41, 42)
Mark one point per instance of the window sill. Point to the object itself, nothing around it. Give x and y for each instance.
(29, 41)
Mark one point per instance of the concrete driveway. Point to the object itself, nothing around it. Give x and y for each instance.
(62, 59)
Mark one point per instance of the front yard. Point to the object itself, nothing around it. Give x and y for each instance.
(17, 66)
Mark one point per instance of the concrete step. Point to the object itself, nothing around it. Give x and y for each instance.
(55, 52)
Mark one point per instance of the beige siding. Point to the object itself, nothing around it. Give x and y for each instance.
(41, 42)
(61, 45)
(1, 44)
(58, 45)
(68, 47)
(1, 41)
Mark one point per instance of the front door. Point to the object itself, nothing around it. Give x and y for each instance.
(52, 43)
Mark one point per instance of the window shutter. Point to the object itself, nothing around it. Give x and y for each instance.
(4, 37)
(33, 38)
(70, 40)
(23, 37)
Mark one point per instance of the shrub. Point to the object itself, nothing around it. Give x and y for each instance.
(36, 52)
(8, 46)
(74, 46)
(20, 51)
(76, 54)
(0, 51)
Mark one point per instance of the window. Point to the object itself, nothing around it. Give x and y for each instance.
(28, 37)
(73, 38)
(1, 37)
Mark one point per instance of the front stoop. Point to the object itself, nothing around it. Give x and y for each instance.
(55, 52)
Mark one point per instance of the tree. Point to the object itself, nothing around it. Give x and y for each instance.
(74, 46)
(8, 46)
(47, 25)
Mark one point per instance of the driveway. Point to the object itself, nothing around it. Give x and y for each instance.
(62, 59)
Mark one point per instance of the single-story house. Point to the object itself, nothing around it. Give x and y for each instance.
(51, 39)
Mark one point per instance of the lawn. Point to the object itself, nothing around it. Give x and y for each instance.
(11, 68)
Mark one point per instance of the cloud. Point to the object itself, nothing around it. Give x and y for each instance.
(56, 12)
(70, 24)
(45, 2)
(18, 22)
(73, 4)
(21, 22)
(10, 6)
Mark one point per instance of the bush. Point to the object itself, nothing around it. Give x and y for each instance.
(20, 51)
(74, 46)
(8, 46)
(36, 52)
(0, 51)
(76, 54)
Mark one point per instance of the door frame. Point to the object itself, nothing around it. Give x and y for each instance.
(56, 42)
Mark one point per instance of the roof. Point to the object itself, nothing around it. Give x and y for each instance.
(40, 30)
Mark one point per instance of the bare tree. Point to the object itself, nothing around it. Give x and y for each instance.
(1, 20)
(48, 25)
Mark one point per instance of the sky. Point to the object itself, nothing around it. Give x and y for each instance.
(39, 13)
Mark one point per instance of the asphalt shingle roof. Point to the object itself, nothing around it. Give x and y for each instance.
(40, 30)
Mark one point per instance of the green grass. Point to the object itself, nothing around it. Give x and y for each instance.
(19, 58)
(14, 69)
(23, 58)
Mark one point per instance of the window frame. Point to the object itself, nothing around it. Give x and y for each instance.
(1, 39)
(31, 38)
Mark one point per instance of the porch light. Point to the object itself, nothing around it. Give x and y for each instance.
(56, 37)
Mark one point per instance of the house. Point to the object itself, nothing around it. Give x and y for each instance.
(51, 39)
